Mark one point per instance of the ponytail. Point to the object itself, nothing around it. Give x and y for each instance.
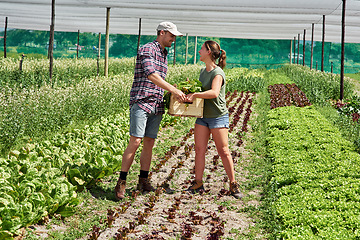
(217, 53)
(222, 59)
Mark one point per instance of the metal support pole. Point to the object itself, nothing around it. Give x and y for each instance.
(139, 36)
(174, 52)
(98, 56)
(5, 33)
(312, 45)
(186, 51)
(106, 68)
(195, 50)
(294, 48)
(290, 52)
(51, 41)
(323, 45)
(304, 47)
(298, 49)
(342, 51)
(78, 46)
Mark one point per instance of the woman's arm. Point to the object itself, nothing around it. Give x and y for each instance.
(209, 94)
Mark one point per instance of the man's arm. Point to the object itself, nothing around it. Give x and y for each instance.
(157, 80)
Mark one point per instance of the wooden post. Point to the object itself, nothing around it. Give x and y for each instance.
(342, 51)
(290, 51)
(186, 50)
(298, 49)
(195, 50)
(51, 41)
(312, 45)
(294, 48)
(78, 46)
(304, 47)
(106, 70)
(138, 44)
(323, 45)
(6, 22)
(98, 56)
(174, 52)
(21, 62)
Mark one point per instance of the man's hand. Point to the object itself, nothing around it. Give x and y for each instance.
(179, 95)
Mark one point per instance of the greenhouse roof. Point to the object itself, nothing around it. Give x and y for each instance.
(255, 19)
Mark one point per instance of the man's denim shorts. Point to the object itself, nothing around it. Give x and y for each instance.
(142, 123)
(219, 122)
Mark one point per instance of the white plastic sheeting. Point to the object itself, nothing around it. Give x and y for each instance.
(254, 19)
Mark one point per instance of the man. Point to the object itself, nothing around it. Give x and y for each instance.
(146, 104)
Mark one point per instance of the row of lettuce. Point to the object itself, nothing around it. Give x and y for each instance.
(314, 187)
(315, 183)
(42, 178)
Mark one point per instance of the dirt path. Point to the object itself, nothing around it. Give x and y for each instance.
(176, 215)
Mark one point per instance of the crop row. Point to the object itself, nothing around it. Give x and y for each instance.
(66, 72)
(318, 86)
(315, 176)
(189, 219)
(349, 107)
(282, 95)
(33, 179)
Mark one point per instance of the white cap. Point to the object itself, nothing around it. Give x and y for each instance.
(169, 26)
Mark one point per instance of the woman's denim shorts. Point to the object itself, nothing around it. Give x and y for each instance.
(219, 122)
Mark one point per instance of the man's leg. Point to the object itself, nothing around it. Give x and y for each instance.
(144, 184)
(129, 153)
(127, 160)
(146, 153)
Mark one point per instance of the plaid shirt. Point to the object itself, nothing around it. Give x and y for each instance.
(150, 59)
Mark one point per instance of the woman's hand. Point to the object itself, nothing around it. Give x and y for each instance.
(189, 97)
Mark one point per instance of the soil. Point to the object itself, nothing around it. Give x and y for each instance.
(199, 211)
(170, 212)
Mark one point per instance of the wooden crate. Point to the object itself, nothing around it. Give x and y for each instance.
(194, 109)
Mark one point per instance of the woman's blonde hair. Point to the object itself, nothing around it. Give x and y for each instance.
(216, 53)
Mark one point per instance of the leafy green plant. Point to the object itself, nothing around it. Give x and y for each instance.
(317, 86)
(190, 86)
(314, 175)
(245, 79)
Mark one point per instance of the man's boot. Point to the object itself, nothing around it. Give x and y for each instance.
(120, 189)
(144, 185)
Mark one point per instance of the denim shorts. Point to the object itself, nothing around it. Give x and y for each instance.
(219, 122)
(142, 123)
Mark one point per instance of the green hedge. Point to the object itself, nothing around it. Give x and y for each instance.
(315, 177)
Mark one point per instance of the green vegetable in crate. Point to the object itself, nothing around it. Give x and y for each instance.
(190, 86)
(187, 86)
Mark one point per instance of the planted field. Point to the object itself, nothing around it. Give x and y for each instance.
(58, 173)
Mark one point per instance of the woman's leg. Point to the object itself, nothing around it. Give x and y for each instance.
(220, 136)
(201, 136)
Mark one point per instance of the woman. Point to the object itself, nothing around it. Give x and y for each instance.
(215, 119)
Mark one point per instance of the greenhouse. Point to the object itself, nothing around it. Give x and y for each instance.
(292, 96)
